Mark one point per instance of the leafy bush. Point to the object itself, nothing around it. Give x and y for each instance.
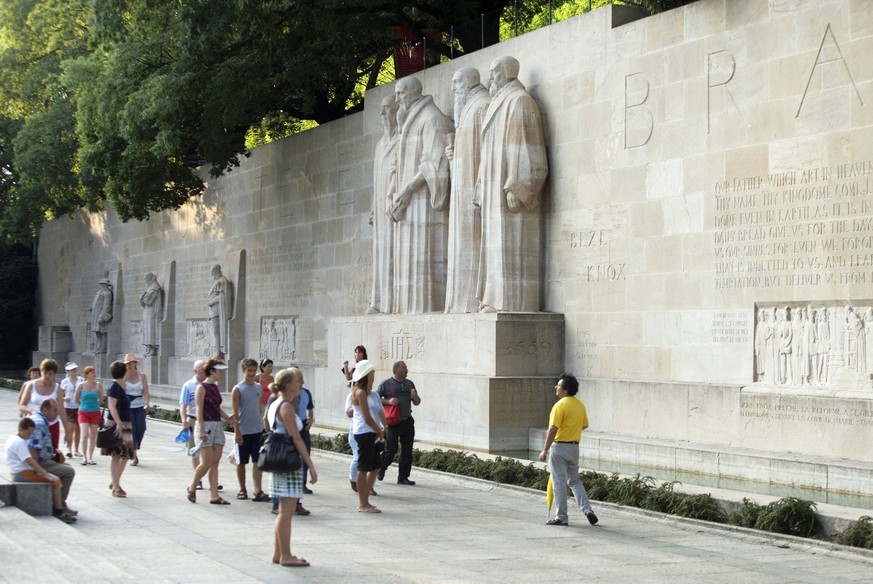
(663, 499)
(858, 534)
(791, 516)
(702, 506)
(747, 515)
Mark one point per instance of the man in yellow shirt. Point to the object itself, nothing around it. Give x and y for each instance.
(566, 422)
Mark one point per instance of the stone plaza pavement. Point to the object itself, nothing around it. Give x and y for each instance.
(445, 529)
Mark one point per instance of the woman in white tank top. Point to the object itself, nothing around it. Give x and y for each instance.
(39, 390)
(366, 429)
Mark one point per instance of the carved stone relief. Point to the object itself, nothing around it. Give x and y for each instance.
(809, 345)
(200, 339)
(279, 338)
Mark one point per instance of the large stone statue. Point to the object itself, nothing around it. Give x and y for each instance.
(150, 300)
(512, 174)
(419, 206)
(465, 226)
(384, 188)
(101, 315)
(220, 303)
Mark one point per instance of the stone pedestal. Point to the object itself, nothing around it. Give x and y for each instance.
(99, 362)
(485, 379)
(54, 342)
(155, 368)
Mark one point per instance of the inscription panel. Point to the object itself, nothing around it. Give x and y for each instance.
(809, 227)
(287, 268)
(763, 410)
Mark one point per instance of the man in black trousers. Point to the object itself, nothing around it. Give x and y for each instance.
(399, 391)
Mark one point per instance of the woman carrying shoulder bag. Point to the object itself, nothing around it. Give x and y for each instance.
(287, 487)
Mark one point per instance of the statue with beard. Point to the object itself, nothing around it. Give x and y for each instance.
(420, 203)
(150, 300)
(465, 226)
(220, 304)
(384, 188)
(511, 177)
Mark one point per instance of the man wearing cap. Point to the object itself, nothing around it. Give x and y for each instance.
(566, 422)
(71, 407)
(401, 391)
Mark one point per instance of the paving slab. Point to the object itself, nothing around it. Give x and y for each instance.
(444, 529)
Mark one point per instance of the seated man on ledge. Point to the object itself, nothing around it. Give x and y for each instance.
(42, 450)
(24, 468)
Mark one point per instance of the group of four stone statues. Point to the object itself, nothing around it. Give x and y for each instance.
(456, 202)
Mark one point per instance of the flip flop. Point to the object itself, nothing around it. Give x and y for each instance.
(242, 495)
(300, 563)
(119, 493)
(369, 510)
(192, 496)
(84, 463)
(92, 462)
(219, 501)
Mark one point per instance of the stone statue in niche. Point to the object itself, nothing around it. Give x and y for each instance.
(101, 316)
(220, 303)
(420, 202)
(465, 224)
(151, 302)
(384, 189)
(511, 177)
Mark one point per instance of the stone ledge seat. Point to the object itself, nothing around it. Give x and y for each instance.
(32, 498)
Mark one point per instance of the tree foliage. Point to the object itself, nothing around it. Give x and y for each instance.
(116, 101)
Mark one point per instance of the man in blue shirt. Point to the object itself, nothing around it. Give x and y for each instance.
(42, 450)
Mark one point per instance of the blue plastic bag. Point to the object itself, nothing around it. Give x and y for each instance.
(183, 436)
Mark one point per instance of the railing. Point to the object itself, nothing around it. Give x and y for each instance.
(488, 29)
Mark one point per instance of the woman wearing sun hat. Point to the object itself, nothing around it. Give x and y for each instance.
(210, 430)
(137, 389)
(366, 430)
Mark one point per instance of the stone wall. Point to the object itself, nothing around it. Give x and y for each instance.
(704, 162)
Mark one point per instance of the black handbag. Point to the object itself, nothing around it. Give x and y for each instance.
(106, 437)
(278, 452)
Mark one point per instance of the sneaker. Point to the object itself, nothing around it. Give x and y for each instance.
(70, 512)
(307, 491)
(592, 518)
(556, 522)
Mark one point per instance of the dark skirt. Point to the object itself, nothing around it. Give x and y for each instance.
(123, 447)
